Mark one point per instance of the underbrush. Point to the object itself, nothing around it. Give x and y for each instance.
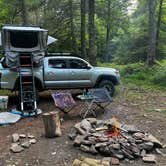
(139, 74)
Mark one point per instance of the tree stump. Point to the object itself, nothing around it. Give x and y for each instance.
(51, 124)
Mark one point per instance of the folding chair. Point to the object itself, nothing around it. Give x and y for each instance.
(102, 98)
(95, 97)
(63, 101)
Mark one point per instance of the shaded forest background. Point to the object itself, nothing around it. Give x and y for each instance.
(101, 31)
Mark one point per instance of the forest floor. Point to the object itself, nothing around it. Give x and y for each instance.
(145, 109)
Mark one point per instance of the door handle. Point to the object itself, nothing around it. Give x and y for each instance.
(50, 73)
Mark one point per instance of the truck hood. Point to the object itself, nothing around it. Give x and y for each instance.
(105, 69)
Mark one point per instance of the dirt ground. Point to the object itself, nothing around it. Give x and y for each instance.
(144, 109)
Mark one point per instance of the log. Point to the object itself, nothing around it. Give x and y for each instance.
(51, 124)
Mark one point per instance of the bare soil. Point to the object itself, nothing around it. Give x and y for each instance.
(144, 109)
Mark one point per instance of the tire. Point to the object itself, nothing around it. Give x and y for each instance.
(108, 85)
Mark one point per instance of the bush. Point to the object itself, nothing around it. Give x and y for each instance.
(160, 78)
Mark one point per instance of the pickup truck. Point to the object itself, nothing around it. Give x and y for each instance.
(62, 72)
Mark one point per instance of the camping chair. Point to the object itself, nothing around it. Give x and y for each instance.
(63, 101)
(101, 98)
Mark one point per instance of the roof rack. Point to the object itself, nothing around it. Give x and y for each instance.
(61, 54)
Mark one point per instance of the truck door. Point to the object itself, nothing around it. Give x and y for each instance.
(80, 73)
(56, 73)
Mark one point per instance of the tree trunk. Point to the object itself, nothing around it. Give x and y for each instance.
(24, 13)
(107, 52)
(159, 24)
(83, 45)
(72, 29)
(92, 47)
(152, 33)
(51, 124)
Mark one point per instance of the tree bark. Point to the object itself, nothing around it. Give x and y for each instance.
(152, 33)
(159, 24)
(72, 29)
(83, 45)
(24, 13)
(92, 46)
(51, 124)
(107, 57)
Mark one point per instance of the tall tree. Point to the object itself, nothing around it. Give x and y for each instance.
(107, 52)
(159, 23)
(72, 29)
(92, 46)
(24, 13)
(152, 33)
(83, 42)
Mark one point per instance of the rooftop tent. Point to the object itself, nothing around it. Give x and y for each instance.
(17, 40)
(50, 40)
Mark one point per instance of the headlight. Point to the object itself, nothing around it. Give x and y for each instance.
(117, 72)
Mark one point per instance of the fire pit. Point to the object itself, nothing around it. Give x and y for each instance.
(112, 139)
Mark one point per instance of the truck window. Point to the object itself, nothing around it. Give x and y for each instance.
(56, 63)
(77, 64)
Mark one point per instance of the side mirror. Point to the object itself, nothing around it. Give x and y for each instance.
(88, 67)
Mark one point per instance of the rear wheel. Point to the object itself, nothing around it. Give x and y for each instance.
(108, 85)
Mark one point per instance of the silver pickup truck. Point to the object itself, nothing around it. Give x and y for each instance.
(62, 71)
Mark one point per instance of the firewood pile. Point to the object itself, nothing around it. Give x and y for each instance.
(112, 139)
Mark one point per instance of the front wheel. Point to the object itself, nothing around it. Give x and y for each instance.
(108, 85)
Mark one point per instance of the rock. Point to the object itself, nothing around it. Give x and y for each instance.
(92, 120)
(119, 156)
(130, 128)
(79, 129)
(151, 138)
(15, 137)
(158, 151)
(53, 153)
(30, 136)
(72, 134)
(131, 140)
(32, 141)
(78, 140)
(16, 148)
(143, 153)
(105, 163)
(139, 135)
(136, 151)
(84, 148)
(149, 158)
(146, 145)
(127, 153)
(102, 139)
(104, 150)
(86, 142)
(22, 136)
(138, 141)
(85, 125)
(97, 135)
(115, 146)
(93, 140)
(103, 144)
(93, 150)
(114, 161)
(26, 144)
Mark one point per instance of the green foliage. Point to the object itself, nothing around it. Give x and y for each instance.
(140, 74)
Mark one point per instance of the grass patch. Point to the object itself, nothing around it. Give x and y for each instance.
(139, 74)
(4, 92)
